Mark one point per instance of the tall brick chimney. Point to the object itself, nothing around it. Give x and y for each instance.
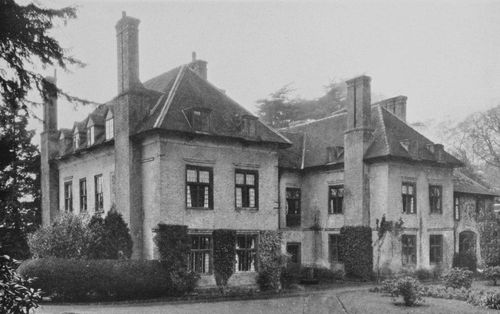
(357, 137)
(127, 35)
(198, 66)
(48, 148)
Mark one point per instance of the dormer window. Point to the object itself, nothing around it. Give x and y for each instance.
(199, 119)
(249, 125)
(109, 126)
(76, 139)
(90, 135)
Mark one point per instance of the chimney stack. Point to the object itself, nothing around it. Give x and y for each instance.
(396, 106)
(198, 66)
(127, 35)
(357, 138)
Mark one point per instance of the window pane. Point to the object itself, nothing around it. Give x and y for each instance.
(240, 178)
(250, 179)
(189, 202)
(191, 175)
(251, 197)
(238, 198)
(410, 189)
(404, 189)
(204, 176)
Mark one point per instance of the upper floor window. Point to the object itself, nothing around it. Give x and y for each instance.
(409, 193)
(456, 206)
(292, 207)
(201, 254)
(76, 140)
(90, 135)
(335, 199)
(435, 248)
(199, 187)
(199, 119)
(99, 196)
(246, 189)
(436, 199)
(68, 196)
(246, 248)
(109, 128)
(83, 194)
(409, 249)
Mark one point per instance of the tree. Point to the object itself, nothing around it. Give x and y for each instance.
(280, 109)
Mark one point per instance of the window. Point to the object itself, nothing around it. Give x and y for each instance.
(90, 136)
(68, 196)
(435, 199)
(292, 207)
(199, 187)
(480, 205)
(293, 249)
(99, 201)
(76, 140)
(245, 252)
(456, 206)
(408, 190)
(83, 194)
(335, 248)
(199, 119)
(409, 249)
(436, 249)
(200, 255)
(246, 189)
(109, 129)
(335, 199)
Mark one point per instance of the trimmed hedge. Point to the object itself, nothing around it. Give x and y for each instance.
(174, 245)
(100, 280)
(357, 252)
(224, 255)
(271, 260)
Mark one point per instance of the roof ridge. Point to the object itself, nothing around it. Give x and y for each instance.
(334, 114)
(384, 130)
(171, 95)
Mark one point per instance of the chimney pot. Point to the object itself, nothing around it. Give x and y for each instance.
(193, 55)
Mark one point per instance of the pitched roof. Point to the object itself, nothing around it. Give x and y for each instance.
(389, 136)
(462, 183)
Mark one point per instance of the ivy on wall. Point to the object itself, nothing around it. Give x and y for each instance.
(224, 255)
(271, 260)
(173, 244)
(358, 251)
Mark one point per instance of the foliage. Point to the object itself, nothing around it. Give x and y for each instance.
(67, 237)
(19, 182)
(224, 255)
(117, 236)
(280, 109)
(424, 274)
(492, 301)
(16, 295)
(483, 298)
(99, 280)
(294, 274)
(358, 252)
(25, 41)
(458, 278)
(407, 287)
(493, 274)
(465, 260)
(96, 246)
(271, 260)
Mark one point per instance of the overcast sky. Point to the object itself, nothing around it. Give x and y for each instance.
(443, 55)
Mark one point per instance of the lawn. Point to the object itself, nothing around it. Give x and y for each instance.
(368, 302)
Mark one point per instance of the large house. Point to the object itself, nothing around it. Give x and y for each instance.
(176, 149)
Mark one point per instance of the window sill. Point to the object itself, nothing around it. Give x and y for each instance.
(409, 213)
(436, 213)
(335, 213)
(199, 208)
(249, 209)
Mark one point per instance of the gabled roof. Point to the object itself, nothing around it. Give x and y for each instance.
(462, 183)
(388, 135)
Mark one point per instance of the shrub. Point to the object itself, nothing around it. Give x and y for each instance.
(96, 246)
(493, 274)
(16, 296)
(458, 278)
(492, 300)
(465, 260)
(224, 255)
(118, 240)
(271, 260)
(290, 276)
(407, 287)
(358, 251)
(423, 274)
(67, 237)
(84, 280)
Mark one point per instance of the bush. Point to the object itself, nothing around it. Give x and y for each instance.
(492, 300)
(118, 240)
(85, 280)
(465, 260)
(67, 237)
(96, 247)
(358, 251)
(290, 276)
(423, 274)
(407, 287)
(458, 278)
(16, 296)
(271, 260)
(493, 274)
(224, 255)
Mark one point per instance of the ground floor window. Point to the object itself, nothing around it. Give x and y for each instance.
(335, 248)
(436, 249)
(409, 249)
(246, 247)
(201, 254)
(293, 249)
